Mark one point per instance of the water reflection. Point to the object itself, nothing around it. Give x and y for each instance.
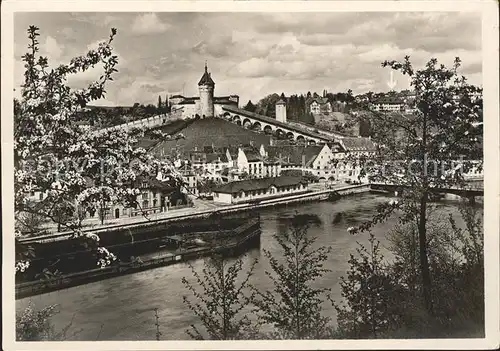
(121, 308)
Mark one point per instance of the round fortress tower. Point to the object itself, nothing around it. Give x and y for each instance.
(206, 87)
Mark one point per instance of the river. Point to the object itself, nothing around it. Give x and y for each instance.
(121, 308)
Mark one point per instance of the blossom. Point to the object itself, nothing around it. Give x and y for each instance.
(92, 236)
(21, 266)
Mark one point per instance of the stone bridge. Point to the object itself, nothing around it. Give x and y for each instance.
(270, 125)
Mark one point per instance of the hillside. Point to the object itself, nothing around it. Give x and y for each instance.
(208, 132)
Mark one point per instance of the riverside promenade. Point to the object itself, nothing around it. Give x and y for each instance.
(203, 209)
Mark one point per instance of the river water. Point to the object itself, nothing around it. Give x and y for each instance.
(122, 308)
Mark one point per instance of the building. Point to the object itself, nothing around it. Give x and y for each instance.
(319, 105)
(210, 164)
(251, 190)
(314, 159)
(251, 162)
(401, 102)
(356, 147)
(388, 104)
(347, 152)
(191, 182)
(206, 104)
(155, 196)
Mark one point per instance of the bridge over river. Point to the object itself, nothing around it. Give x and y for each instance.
(472, 189)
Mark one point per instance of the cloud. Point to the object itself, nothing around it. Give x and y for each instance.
(52, 49)
(254, 54)
(148, 23)
(153, 88)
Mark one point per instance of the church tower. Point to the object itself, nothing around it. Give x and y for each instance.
(206, 87)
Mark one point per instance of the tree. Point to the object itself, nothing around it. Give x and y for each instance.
(267, 105)
(381, 298)
(294, 306)
(160, 104)
(34, 325)
(167, 104)
(447, 128)
(30, 223)
(221, 299)
(368, 292)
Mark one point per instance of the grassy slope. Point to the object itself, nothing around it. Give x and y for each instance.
(212, 131)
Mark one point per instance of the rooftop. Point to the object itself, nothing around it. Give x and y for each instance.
(270, 120)
(388, 100)
(154, 184)
(358, 144)
(258, 184)
(206, 79)
(317, 99)
(291, 154)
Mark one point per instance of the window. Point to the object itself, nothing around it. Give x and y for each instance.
(145, 196)
(155, 203)
(40, 196)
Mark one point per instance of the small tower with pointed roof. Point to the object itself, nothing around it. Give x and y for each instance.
(206, 88)
(281, 110)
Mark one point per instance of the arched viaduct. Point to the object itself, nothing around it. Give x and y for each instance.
(269, 125)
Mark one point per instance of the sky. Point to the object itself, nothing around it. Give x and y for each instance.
(252, 54)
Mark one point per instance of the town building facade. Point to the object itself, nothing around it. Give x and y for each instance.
(259, 189)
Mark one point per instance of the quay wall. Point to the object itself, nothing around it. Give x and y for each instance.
(251, 236)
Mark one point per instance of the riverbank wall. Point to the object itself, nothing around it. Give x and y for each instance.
(244, 237)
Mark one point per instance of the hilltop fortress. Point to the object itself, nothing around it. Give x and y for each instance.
(205, 105)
